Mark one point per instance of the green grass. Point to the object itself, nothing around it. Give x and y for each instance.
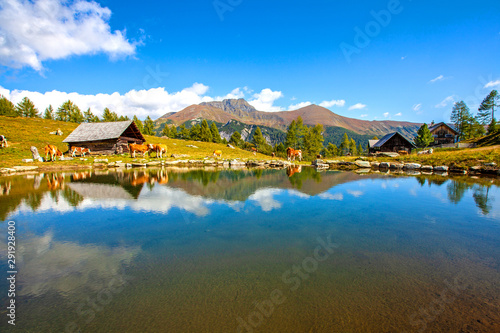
(22, 133)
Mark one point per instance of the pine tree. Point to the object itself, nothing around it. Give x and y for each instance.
(313, 140)
(7, 108)
(64, 112)
(332, 150)
(460, 116)
(360, 149)
(344, 146)
(235, 139)
(75, 115)
(424, 136)
(301, 132)
(486, 111)
(184, 132)
(138, 123)
(215, 133)
(258, 138)
(205, 133)
(49, 113)
(149, 126)
(291, 135)
(107, 115)
(195, 133)
(173, 132)
(165, 131)
(26, 108)
(352, 147)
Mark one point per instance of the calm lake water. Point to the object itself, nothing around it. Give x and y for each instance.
(182, 250)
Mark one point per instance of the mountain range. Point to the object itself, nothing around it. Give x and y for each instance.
(239, 110)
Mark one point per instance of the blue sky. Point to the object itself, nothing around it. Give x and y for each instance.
(399, 60)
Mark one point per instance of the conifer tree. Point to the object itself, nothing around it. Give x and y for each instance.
(291, 135)
(26, 108)
(166, 131)
(173, 132)
(424, 136)
(49, 113)
(138, 123)
(344, 146)
(205, 133)
(215, 133)
(7, 108)
(149, 126)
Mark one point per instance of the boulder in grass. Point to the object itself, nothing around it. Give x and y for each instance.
(412, 166)
(441, 168)
(385, 165)
(363, 164)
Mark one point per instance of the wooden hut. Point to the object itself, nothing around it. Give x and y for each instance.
(105, 138)
(392, 142)
(443, 134)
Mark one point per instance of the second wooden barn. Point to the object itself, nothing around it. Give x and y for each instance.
(392, 142)
(105, 138)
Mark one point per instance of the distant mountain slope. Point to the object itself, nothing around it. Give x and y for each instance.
(240, 110)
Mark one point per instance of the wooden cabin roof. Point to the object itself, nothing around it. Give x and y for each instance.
(436, 126)
(104, 131)
(387, 137)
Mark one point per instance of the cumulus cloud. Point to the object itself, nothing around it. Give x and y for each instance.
(264, 101)
(363, 115)
(355, 194)
(34, 31)
(439, 78)
(298, 106)
(492, 84)
(357, 106)
(386, 114)
(399, 114)
(445, 102)
(333, 102)
(153, 102)
(332, 196)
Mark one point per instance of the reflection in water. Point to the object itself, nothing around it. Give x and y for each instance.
(46, 265)
(204, 246)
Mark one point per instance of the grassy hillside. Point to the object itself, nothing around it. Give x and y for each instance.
(488, 140)
(22, 133)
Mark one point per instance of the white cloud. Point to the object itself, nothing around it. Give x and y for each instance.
(153, 102)
(265, 199)
(293, 98)
(357, 106)
(235, 94)
(439, 78)
(355, 194)
(264, 100)
(403, 58)
(492, 84)
(363, 116)
(417, 107)
(298, 106)
(333, 102)
(35, 31)
(445, 102)
(386, 114)
(332, 196)
(399, 114)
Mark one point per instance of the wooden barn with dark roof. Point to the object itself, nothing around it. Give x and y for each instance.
(443, 134)
(391, 143)
(105, 138)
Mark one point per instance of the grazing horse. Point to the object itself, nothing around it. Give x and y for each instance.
(52, 151)
(79, 150)
(3, 141)
(292, 154)
(218, 153)
(138, 148)
(159, 149)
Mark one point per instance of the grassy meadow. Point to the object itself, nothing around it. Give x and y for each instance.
(22, 133)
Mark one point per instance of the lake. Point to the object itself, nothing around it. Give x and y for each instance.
(184, 250)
